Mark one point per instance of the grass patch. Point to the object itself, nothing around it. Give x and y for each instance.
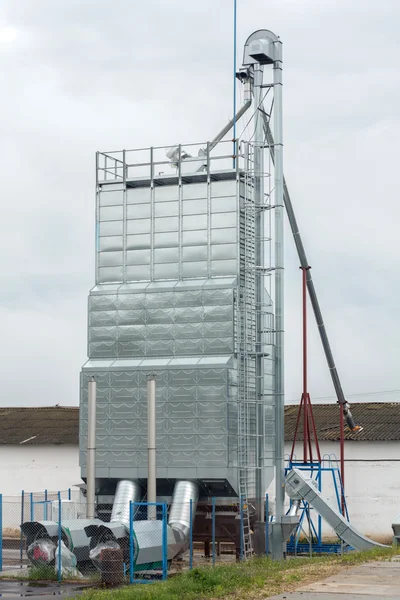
(260, 576)
(44, 573)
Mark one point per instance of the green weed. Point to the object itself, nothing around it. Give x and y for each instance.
(208, 583)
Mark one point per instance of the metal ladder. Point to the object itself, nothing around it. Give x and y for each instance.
(244, 321)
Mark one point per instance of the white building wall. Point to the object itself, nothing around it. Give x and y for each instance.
(35, 469)
(372, 484)
(372, 480)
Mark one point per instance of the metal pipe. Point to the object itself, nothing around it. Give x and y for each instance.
(304, 264)
(259, 287)
(127, 491)
(91, 450)
(279, 288)
(294, 509)
(183, 507)
(305, 391)
(151, 447)
(230, 124)
(313, 297)
(342, 502)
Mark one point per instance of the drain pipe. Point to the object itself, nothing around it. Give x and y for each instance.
(151, 447)
(91, 450)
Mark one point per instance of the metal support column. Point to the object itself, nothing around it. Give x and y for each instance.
(151, 425)
(91, 451)
(279, 305)
(259, 142)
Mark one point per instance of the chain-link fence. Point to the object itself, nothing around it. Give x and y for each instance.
(49, 536)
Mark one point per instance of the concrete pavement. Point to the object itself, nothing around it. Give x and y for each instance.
(372, 581)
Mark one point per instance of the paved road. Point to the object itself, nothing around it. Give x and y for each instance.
(372, 581)
(10, 590)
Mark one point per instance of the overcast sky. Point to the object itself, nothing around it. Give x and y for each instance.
(84, 75)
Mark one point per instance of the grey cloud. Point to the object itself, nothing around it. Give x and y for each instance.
(87, 76)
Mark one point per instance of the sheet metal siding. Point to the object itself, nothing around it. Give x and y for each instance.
(198, 232)
(192, 418)
(168, 232)
(170, 323)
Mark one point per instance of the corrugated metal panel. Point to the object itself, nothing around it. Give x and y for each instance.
(179, 266)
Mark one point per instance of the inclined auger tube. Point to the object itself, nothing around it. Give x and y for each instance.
(299, 487)
(311, 289)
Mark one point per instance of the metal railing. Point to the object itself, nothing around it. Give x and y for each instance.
(154, 162)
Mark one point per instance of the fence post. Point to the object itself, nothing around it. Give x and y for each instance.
(22, 522)
(59, 568)
(241, 528)
(164, 542)
(45, 505)
(31, 506)
(1, 532)
(130, 542)
(213, 530)
(266, 525)
(191, 534)
(69, 493)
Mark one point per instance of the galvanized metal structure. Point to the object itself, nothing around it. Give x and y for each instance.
(189, 254)
(300, 487)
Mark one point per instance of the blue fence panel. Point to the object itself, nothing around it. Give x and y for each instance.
(148, 542)
(21, 537)
(266, 525)
(59, 566)
(213, 530)
(191, 535)
(164, 542)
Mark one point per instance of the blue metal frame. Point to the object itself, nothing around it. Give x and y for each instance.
(21, 537)
(234, 79)
(131, 557)
(134, 508)
(266, 525)
(45, 503)
(191, 535)
(59, 568)
(213, 530)
(164, 542)
(315, 544)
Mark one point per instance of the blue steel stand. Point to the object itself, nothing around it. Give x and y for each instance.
(316, 471)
